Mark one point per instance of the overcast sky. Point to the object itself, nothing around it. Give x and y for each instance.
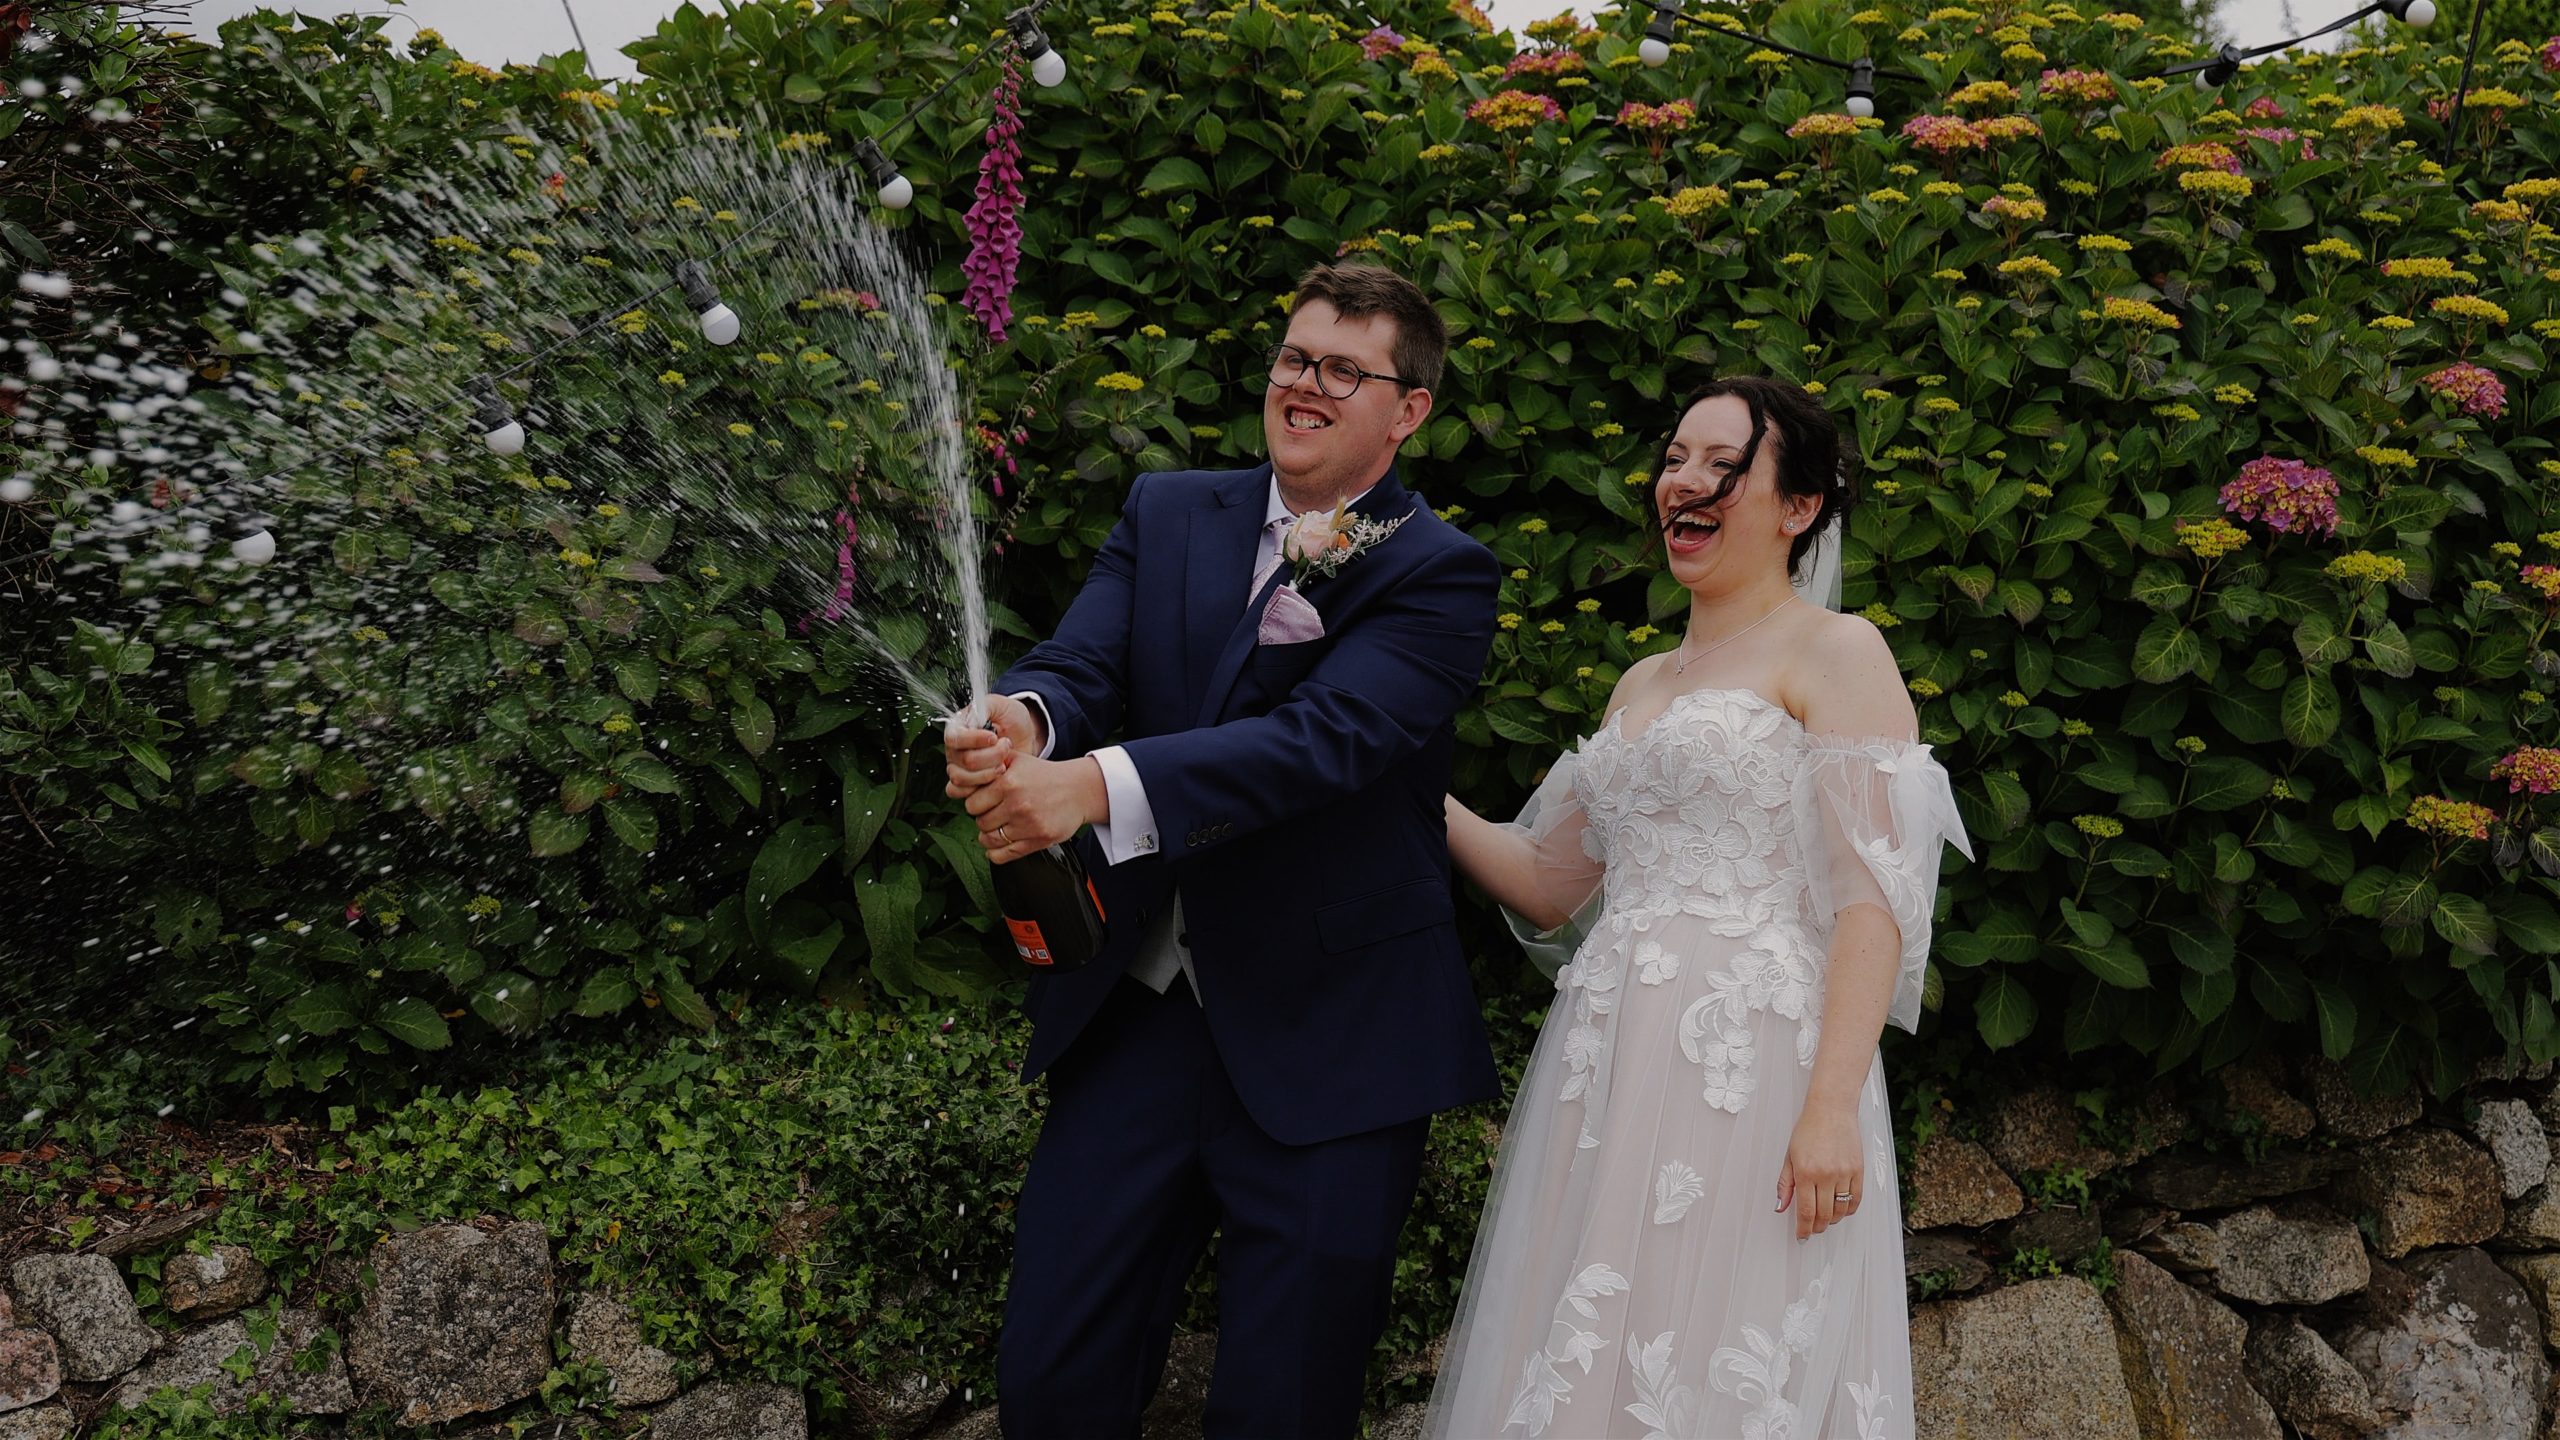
(494, 32)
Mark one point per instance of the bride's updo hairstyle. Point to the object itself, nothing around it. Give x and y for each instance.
(1809, 453)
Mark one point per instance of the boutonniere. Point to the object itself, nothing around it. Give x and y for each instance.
(1322, 542)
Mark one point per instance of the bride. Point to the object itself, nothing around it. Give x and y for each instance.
(1695, 1229)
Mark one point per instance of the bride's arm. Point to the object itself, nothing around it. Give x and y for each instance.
(1542, 876)
(1852, 687)
(1504, 860)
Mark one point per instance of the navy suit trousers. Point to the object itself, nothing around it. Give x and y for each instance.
(1145, 1152)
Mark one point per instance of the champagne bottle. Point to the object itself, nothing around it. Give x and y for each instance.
(1050, 906)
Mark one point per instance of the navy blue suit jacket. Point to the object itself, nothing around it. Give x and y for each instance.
(1297, 795)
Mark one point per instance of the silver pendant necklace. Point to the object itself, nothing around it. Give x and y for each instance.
(1683, 667)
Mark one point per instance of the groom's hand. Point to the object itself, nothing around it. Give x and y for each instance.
(973, 758)
(1034, 804)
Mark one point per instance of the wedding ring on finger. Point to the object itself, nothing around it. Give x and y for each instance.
(1843, 1196)
(1004, 834)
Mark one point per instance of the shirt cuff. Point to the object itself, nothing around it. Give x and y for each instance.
(1048, 730)
(1131, 829)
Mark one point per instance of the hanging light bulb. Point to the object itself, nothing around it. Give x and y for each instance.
(2224, 66)
(1048, 67)
(719, 322)
(1862, 89)
(895, 190)
(498, 425)
(1655, 49)
(252, 543)
(2417, 13)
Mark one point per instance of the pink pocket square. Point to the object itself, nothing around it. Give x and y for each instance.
(1289, 619)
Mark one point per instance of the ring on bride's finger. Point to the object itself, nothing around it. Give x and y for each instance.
(1843, 1195)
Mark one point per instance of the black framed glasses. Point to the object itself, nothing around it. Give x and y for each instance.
(1338, 376)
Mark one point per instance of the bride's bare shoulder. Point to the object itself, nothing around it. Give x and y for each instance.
(1845, 680)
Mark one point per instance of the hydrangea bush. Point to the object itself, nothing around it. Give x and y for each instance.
(2205, 497)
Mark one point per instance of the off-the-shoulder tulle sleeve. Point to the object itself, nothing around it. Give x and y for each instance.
(1873, 814)
(1569, 865)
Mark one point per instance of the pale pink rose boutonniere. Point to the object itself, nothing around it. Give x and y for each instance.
(1317, 547)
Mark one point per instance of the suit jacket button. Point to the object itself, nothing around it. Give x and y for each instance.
(1183, 939)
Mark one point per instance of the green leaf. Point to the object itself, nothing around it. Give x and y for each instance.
(647, 773)
(509, 1001)
(957, 844)
(609, 991)
(788, 857)
(2388, 649)
(809, 954)
(414, 1023)
(752, 722)
(322, 1010)
(2112, 961)
(553, 833)
(2226, 782)
(1173, 175)
(2337, 1013)
(2003, 1013)
(26, 244)
(682, 1002)
(2165, 650)
(804, 89)
(209, 688)
(633, 823)
(2199, 944)
(867, 807)
(2318, 640)
(2466, 924)
(2529, 923)
(2311, 710)
(888, 901)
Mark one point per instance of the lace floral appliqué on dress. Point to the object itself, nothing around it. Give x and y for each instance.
(1706, 858)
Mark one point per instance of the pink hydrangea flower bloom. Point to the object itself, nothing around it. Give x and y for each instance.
(2473, 390)
(2284, 495)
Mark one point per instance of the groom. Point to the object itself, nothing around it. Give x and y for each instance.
(1281, 1002)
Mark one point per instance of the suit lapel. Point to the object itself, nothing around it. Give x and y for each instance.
(1219, 562)
(1386, 500)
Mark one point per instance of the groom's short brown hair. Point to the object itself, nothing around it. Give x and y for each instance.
(1422, 341)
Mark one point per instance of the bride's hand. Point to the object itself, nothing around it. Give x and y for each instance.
(1824, 1176)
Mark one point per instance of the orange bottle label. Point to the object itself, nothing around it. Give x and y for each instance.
(1028, 942)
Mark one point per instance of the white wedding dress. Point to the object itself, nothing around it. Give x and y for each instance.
(1632, 1276)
